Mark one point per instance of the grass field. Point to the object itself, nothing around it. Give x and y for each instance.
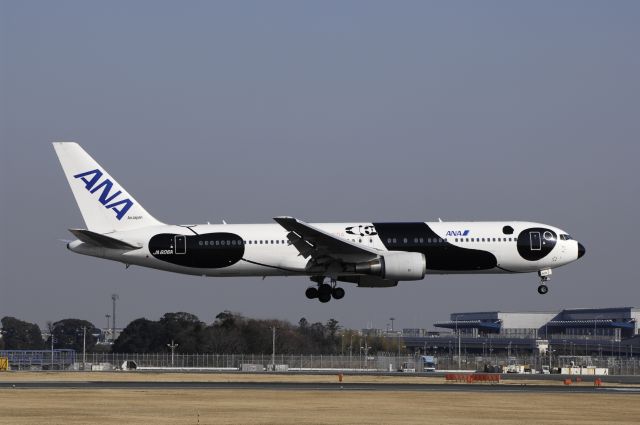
(310, 407)
(212, 406)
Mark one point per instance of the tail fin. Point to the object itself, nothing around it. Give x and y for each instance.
(105, 205)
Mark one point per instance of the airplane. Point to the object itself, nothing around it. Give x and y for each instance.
(368, 254)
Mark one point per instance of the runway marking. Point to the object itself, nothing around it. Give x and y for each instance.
(622, 389)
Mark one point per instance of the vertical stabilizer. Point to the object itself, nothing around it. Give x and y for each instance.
(105, 205)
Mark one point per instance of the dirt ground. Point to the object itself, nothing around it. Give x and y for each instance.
(81, 406)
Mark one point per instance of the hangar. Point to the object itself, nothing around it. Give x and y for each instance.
(608, 331)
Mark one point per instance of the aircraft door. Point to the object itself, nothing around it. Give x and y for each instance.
(535, 241)
(180, 244)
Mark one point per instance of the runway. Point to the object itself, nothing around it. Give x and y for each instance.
(303, 386)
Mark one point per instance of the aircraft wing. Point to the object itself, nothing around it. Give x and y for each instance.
(319, 245)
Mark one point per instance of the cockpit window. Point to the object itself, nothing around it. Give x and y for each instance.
(566, 237)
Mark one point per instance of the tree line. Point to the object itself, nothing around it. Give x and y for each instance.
(229, 333)
(67, 333)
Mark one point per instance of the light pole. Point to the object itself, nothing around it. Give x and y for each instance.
(392, 319)
(108, 316)
(84, 347)
(459, 352)
(173, 347)
(351, 349)
(366, 353)
(51, 328)
(114, 297)
(273, 348)
(459, 349)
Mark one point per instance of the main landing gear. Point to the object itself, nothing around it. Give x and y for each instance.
(545, 276)
(324, 292)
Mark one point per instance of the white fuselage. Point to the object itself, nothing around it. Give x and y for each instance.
(267, 251)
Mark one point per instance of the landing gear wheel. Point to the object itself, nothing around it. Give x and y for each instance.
(311, 292)
(337, 293)
(543, 289)
(324, 293)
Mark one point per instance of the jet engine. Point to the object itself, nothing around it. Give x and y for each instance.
(396, 265)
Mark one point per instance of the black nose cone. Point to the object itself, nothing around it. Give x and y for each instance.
(580, 250)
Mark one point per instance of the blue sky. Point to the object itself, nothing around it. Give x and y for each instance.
(328, 111)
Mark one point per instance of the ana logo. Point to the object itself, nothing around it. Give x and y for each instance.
(361, 230)
(457, 233)
(91, 179)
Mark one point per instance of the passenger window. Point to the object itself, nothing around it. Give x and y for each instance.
(388, 240)
(277, 241)
(360, 240)
(405, 240)
(439, 240)
(415, 240)
(421, 240)
(456, 239)
(467, 239)
(394, 240)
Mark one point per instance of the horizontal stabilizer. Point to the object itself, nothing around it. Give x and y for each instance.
(97, 239)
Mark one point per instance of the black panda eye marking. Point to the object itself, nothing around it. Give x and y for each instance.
(536, 243)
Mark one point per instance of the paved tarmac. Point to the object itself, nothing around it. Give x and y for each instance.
(287, 386)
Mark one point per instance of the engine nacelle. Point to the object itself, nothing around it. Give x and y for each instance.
(396, 265)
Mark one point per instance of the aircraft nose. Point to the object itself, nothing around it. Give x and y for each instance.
(580, 250)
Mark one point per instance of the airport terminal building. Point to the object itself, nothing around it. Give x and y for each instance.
(610, 331)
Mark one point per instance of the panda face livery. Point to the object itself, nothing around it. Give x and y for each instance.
(535, 243)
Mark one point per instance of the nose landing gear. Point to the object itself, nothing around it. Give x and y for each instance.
(545, 276)
(324, 292)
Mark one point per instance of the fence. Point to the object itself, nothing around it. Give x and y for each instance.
(39, 359)
(372, 363)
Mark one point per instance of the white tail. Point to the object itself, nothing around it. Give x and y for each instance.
(105, 205)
